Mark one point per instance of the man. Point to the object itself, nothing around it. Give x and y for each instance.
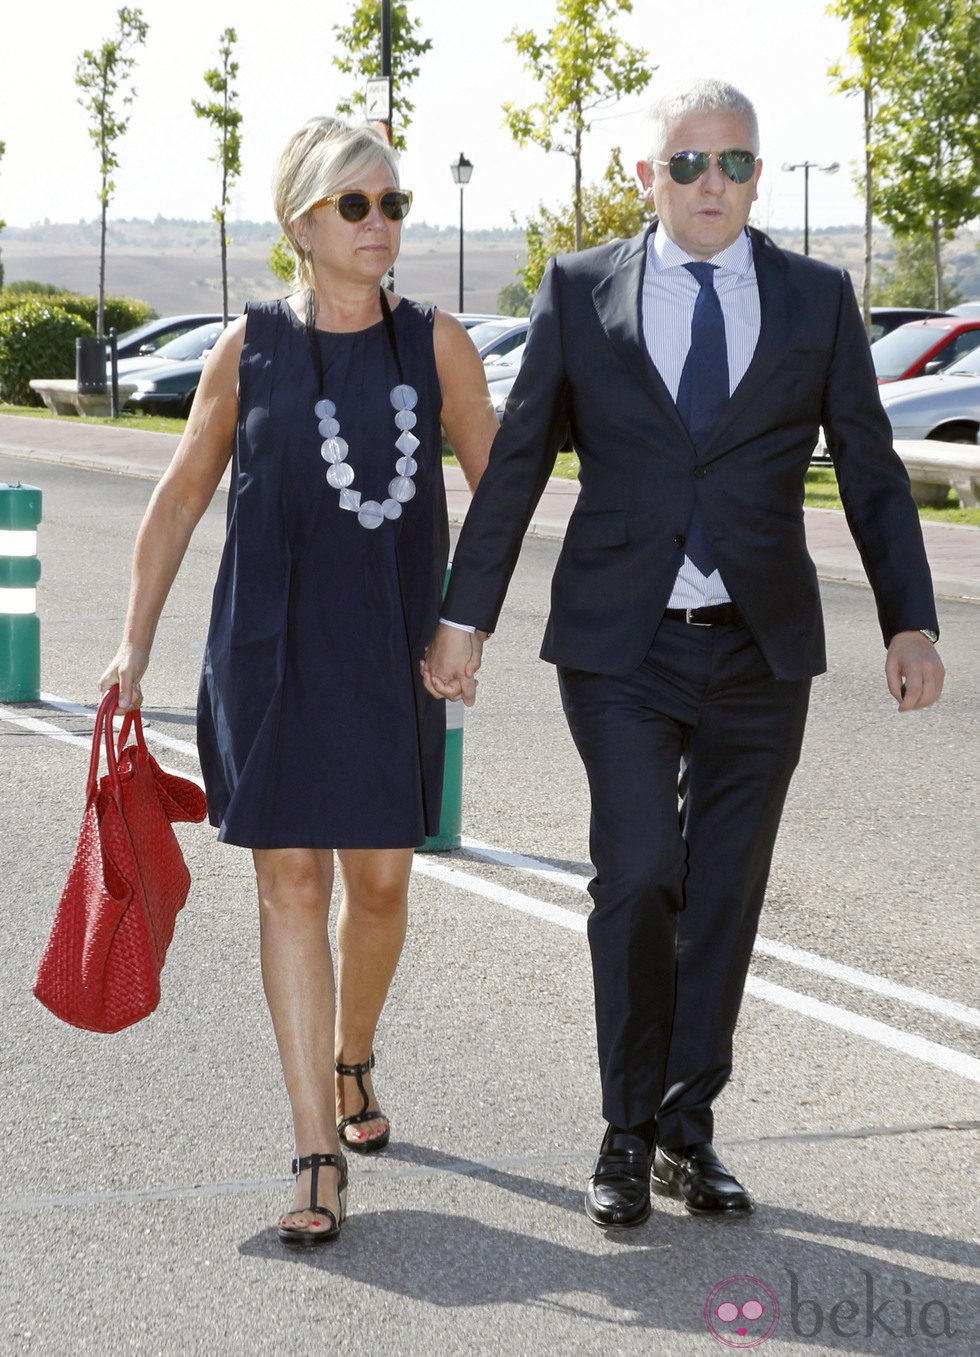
(694, 366)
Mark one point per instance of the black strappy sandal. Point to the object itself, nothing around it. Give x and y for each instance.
(305, 1237)
(376, 1142)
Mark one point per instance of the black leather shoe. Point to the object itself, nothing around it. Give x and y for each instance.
(619, 1189)
(695, 1173)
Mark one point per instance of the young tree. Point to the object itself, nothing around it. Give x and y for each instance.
(911, 278)
(226, 120)
(607, 210)
(929, 135)
(104, 77)
(583, 66)
(359, 55)
(282, 261)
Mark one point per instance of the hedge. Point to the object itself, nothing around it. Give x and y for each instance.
(125, 313)
(37, 339)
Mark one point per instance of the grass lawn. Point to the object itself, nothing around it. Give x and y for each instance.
(128, 419)
(821, 483)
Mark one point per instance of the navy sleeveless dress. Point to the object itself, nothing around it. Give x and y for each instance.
(314, 728)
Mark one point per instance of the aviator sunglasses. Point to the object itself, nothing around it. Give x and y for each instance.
(687, 166)
(354, 206)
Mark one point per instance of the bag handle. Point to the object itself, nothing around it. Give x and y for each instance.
(103, 733)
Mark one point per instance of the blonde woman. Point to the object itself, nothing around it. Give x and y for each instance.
(317, 738)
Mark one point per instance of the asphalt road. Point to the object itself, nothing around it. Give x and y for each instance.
(142, 1173)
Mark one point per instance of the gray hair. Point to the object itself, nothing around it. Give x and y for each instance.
(323, 156)
(703, 96)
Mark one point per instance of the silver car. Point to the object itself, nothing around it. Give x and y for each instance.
(945, 406)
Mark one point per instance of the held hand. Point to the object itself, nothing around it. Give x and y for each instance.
(914, 671)
(451, 662)
(127, 668)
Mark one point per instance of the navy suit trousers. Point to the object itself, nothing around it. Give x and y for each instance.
(689, 759)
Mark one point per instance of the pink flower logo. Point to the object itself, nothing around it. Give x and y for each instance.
(741, 1312)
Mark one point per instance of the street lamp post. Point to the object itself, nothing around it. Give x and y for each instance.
(806, 166)
(462, 170)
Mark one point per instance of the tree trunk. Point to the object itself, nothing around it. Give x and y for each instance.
(868, 209)
(224, 268)
(937, 264)
(100, 314)
(578, 178)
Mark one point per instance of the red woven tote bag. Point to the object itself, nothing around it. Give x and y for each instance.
(101, 966)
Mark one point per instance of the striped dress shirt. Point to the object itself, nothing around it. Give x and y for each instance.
(669, 294)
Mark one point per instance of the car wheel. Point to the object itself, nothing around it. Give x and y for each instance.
(186, 408)
(955, 433)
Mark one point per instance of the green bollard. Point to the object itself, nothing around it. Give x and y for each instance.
(20, 570)
(451, 819)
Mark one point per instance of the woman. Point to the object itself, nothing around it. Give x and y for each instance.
(314, 730)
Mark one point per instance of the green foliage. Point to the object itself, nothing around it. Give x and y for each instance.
(914, 62)
(929, 161)
(226, 120)
(27, 288)
(104, 77)
(611, 209)
(282, 261)
(125, 313)
(582, 66)
(359, 55)
(37, 339)
(911, 280)
(514, 300)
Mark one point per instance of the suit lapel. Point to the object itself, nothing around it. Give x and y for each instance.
(776, 308)
(618, 301)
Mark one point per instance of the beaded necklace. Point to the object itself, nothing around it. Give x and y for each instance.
(371, 513)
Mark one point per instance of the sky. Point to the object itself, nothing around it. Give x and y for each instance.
(777, 51)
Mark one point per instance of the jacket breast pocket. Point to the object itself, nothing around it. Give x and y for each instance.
(586, 531)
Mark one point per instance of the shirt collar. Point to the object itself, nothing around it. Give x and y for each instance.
(662, 253)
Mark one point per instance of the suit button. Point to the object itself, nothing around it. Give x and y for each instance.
(679, 540)
(700, 471)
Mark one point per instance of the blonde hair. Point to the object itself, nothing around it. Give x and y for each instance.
(702, 96)
(323, 156)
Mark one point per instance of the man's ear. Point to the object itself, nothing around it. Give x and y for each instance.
(644, 172)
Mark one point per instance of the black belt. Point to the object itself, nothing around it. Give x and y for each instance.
(719, 615)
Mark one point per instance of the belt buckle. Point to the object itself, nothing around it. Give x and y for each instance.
(690, 620)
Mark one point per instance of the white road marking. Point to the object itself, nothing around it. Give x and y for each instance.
(781, 951)
(930, 1052)
(53, 732)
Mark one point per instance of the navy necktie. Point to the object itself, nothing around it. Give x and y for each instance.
(703, 391)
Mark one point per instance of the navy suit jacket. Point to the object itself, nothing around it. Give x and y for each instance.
(587, 370)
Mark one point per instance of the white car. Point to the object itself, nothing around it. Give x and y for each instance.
(945, 406)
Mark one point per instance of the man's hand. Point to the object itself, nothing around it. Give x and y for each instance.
(450, 664)
(914, 671)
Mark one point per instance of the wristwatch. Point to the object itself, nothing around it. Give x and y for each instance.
(930, 635)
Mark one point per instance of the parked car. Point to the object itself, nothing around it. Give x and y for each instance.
(965, 309)
(945, 406)
(148, 338)
(470, 318)
(924, 347)
(501, 369)
(496, 338)
(167, 380)
(884, 319)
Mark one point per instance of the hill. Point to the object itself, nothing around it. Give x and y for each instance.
(174, 264)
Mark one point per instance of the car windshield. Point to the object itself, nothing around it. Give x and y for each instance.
(194, 344)
(895, 353)
(511, 359)
(488, 330)
(967, 366)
